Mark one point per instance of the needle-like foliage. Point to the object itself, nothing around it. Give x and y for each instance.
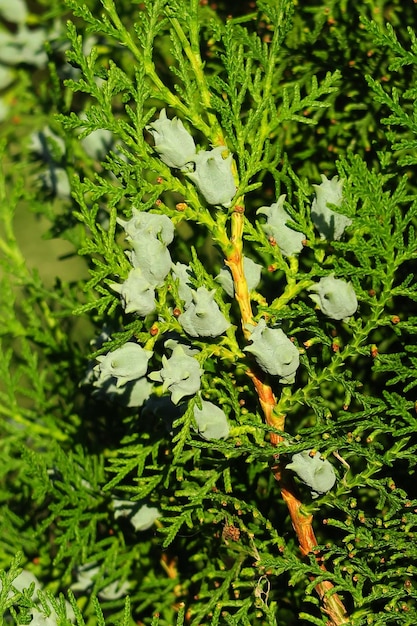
(211, 420)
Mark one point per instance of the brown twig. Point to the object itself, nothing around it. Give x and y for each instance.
(302, 523)
(303, 527)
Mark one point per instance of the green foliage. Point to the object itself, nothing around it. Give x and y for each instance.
(115, 504)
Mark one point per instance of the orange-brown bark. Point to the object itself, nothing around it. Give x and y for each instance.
(301, 522)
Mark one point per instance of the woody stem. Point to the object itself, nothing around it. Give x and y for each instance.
(302, 522)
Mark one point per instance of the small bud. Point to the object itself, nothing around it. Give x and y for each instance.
(335, 297)
(131, 394)
(329, 223)
(173, 142)
(145, 223)
(213, 176)
(136, 294)
(55, 180)
(180, 374)
(15, 11)
(152, 257)
(203, 318)
(98, 143)
(47, 145)
(211, 421)
(289, 241)
(23, 581)
(314, 471)
(127, 363)
(274, 352)
(182, 273)
(23, 45)
(141, 517)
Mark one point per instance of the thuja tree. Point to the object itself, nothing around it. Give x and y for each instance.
(228, 437)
